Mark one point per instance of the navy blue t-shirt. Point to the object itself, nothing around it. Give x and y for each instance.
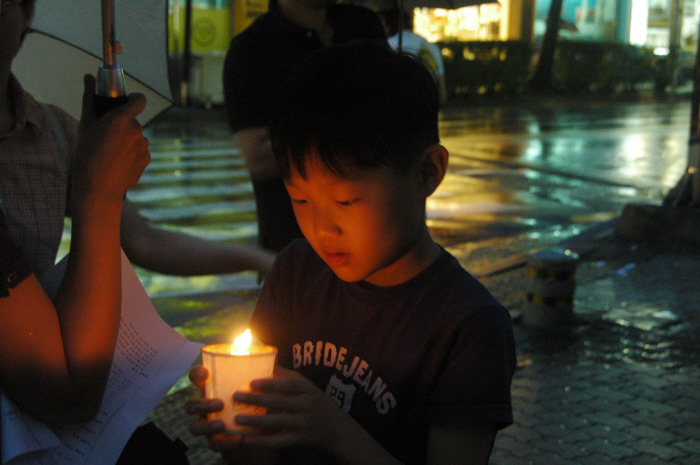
(436, 349)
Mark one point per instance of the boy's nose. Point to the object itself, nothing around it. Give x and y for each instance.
(325, 224)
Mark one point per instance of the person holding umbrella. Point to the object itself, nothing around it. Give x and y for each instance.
(46, 172)
(56, 356)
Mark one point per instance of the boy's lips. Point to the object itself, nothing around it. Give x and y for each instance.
(335, 258)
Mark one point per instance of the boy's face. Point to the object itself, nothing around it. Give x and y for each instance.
(370, 227)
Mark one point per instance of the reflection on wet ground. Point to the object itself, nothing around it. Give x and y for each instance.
(607, 342)
(535, 166)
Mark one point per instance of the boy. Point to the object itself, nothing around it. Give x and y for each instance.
(391, 352)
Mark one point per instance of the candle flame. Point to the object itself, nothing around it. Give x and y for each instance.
(241, 345)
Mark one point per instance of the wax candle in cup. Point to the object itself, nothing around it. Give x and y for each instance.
(231, 368)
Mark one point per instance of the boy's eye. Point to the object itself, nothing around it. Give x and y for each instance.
(299, 201)
(346, 203)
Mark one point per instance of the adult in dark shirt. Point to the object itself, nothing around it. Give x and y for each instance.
(257, 63)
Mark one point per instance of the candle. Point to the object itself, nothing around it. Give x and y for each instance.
(231, 368)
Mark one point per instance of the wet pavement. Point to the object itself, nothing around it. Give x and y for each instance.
(617, 386)
(620, 386)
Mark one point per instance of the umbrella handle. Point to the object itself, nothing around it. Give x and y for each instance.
(110, 89)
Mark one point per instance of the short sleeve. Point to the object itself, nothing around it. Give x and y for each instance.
(475, 381)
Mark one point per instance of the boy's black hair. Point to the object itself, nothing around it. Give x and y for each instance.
(355, 106)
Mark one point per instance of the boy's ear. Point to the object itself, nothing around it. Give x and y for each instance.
(433, 168)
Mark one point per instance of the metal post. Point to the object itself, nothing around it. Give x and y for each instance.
(687, 191)
(187, 58)
(674, 42)
(693, 171)
(108, 33)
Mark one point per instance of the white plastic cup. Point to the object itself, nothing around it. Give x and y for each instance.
(233, 372)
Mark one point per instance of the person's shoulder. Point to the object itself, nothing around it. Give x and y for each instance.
(262, 28)
(258, 30)
(249, 35)
(413, 40)
(460, 285)
(256, 40)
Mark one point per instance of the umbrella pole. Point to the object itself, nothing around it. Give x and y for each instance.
(108, 36)
(110, 90)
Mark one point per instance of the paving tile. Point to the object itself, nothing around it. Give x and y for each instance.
(610, 419)
(644, 459)
(649, 407)
(659, 436)
(660, 450)
(692, 446)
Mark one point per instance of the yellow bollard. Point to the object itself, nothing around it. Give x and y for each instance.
(550, 287)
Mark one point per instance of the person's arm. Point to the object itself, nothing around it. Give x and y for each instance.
(176, 253)
(56, 356)
(256, 149)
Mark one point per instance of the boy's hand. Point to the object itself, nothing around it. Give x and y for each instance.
(201, 406)
(299, 413)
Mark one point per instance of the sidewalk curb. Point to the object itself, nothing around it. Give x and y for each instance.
(666, 225)
(598, 231)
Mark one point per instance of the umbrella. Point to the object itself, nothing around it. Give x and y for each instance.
(67, 43)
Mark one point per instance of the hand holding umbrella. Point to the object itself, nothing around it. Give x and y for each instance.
(112, 151)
